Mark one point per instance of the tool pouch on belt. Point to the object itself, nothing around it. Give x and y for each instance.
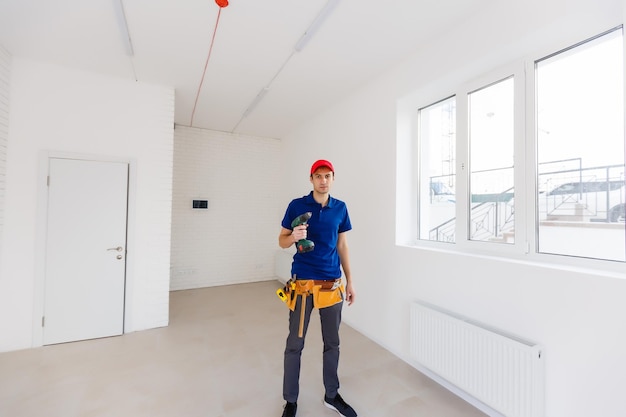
(326, 294)
(292, 295)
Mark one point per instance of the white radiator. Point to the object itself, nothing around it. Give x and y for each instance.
(502, 371)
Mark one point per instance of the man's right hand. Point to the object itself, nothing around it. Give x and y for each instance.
(299, 232)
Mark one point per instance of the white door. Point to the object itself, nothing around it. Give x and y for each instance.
(85, 250)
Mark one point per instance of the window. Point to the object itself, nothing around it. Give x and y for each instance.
(554, 150)
(437, 177)
(580, 150)
(491, 134)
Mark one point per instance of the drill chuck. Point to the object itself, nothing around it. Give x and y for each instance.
(301, 219)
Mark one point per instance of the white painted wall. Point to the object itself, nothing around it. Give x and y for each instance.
(579, 315)
(60, 110)
(234, 240)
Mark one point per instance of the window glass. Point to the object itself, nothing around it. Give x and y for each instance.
(491, 133)
(437, 179)
(580, 150)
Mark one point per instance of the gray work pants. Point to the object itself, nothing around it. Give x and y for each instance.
(330, 318)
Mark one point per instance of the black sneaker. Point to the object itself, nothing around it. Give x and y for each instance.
(340, 406)
(290, 410)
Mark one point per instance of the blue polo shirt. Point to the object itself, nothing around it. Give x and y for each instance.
(325, 225)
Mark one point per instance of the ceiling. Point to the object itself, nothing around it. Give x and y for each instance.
(253, 49)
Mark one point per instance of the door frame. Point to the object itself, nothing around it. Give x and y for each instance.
(41, 228)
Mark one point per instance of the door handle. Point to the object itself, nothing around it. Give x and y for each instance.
(119, 249)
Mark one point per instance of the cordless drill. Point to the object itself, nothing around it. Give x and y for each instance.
(303, 245)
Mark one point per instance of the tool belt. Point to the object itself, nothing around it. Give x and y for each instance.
(325, 294)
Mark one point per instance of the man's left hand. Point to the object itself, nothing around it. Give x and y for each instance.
(349, 294)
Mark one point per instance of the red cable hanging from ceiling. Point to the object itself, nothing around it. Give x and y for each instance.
(221, 4)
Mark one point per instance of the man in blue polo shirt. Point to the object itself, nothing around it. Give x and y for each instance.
(319, 269)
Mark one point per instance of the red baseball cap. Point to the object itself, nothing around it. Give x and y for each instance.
(321, 163)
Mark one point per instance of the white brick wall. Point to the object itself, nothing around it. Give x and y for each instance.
(236, 238)
(5, 73)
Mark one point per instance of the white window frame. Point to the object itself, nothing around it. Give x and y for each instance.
(461, 94)
(524, 247)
